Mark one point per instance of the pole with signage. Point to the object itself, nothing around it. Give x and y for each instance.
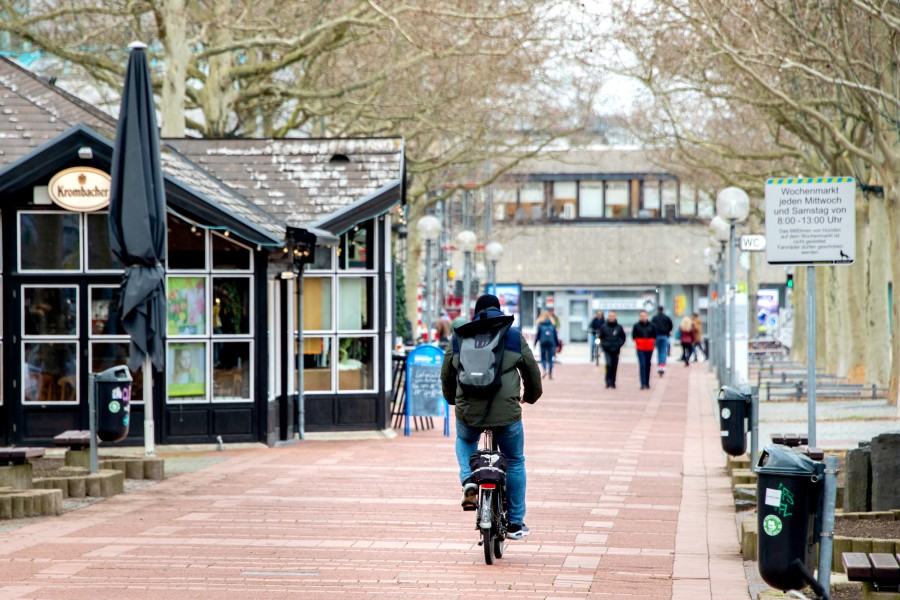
(812, 222)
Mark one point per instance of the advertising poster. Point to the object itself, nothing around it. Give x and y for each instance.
(187, 369)
(767, 301)
(186, 306)
(509, 295)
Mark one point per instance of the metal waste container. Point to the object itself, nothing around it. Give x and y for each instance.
(788, 490)
(734, 412)
(112, 395)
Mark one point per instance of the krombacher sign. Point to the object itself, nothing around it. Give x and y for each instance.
(81, 189)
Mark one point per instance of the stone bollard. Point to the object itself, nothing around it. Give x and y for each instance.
(885, 471)
(77, 487)
(858, 486)
(134, 469)
(154, 469)
(5, 506)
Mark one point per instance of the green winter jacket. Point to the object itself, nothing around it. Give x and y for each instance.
(523, 381)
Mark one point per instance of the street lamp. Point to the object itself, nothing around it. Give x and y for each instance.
(710, 259)
(733, 205)
(429, 229)
(494, 252)
(467, 242)
(719, 234)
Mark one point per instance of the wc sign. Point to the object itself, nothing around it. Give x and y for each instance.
(753, 243)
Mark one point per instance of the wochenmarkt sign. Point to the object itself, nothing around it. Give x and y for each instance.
(81, 189)
(811, 221)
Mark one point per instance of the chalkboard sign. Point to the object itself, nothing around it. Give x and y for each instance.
(424, 397)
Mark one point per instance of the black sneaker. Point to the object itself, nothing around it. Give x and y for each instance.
(516, 531)
(470, 496)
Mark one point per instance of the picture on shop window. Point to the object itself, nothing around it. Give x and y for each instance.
(187, 370)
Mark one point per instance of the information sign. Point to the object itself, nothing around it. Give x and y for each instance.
(424, 397)
(811, 221)
(753, 243)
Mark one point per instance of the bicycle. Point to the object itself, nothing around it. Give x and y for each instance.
(490, 516)
(596, 350)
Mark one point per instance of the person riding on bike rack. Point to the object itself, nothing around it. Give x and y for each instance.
(481, 375)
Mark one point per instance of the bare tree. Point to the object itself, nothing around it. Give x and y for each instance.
(815, 87)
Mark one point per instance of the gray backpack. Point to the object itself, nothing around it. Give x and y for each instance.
(480, 344)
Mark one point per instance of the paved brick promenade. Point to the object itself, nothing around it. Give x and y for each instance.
(627, 499)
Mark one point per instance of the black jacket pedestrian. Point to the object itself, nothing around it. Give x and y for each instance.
(645, 330)
(662, 324)
(612, 336)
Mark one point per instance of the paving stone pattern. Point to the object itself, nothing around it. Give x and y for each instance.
(627, 498)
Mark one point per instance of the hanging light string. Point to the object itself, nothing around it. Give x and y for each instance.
(226, 231)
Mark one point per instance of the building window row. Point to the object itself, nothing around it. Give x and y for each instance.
(597, 199)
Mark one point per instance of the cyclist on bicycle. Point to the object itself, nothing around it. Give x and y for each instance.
(520, 383)
(595, 327)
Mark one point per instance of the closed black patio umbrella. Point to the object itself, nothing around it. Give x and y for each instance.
(137, 227)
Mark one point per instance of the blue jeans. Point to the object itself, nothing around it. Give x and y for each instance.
(662, 349)
(547, 353)
(511, 439)
(645, 358)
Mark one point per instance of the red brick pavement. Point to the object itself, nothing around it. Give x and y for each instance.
(627, 498)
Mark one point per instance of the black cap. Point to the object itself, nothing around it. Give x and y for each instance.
(486, 301)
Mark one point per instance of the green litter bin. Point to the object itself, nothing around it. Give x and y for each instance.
(788, 490)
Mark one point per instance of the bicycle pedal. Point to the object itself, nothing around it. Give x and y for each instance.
(469, 507)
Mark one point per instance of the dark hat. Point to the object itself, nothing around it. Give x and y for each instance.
(486, 301)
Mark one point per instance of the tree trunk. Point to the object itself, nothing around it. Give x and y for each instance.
(877, 343)
(858, 299)
(219, 92)
(174, 39)
(893, 210)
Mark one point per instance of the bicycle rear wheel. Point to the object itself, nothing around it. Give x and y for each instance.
(486, 524)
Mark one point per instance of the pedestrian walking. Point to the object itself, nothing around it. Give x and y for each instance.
(698, 337)
(501, 411)
(612, 338)
(443, 329)
(547, 337)
(663, 325)
(644, 335)
(595, 326)
(686, 335)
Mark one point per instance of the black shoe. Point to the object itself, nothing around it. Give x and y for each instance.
(613, 386)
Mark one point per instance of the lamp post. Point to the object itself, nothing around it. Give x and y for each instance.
(733, 205)
(494, 252)
(709, 259)
(467, 241)
(720, 233)
(429, 228)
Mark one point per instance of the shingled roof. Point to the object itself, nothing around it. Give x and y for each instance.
(306, 182)
(33, 112)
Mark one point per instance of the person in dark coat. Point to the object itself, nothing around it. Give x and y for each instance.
(644, 335)
(502, 414)
(612, 338)
(663, 325)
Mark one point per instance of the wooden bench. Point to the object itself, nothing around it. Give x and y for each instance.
(791, 440)
(73, 439)
(19, 456)
(878, 569)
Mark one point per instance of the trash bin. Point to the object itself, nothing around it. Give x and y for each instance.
(788, 490)
(112, 396)
(734, 411)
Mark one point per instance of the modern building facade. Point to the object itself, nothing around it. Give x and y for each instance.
(598, 228)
